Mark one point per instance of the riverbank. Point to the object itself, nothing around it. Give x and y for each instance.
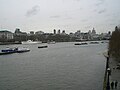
(115, 72)
(8, 43)
(105, 76)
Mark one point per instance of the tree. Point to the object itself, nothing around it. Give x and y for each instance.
(114, 44)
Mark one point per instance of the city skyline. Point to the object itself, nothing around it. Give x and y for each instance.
(68, 15)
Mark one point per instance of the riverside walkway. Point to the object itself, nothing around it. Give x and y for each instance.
(115, 73)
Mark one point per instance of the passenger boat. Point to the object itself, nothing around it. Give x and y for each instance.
(8, 51)
(42, 46)
(14, 50)
(51, 42)
(21, 50)
(5, 53)
(31, 42)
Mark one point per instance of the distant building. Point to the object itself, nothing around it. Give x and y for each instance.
(105, 36)
(71, 34)
(93, 35)
(6, 35)
(93, 32)
(20, 36)
(63, 32)
(39, 32)
(31, 32)
(89, 32)
(18, 32)
(78, 34)
(58, 31)
(89, 35)
(54, 31)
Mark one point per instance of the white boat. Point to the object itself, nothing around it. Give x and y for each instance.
(31, 42)
(51, 42)
(21, 50)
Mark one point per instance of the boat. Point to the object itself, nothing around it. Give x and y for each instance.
(51, 42)
(31, 42)
(94, 42)
(14, 50)
(42, 46)
(21, 50)
(5, 53)
(81, 43)
(8, 51)
(8, 43)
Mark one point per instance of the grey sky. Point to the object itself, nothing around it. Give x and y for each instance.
(69, 15)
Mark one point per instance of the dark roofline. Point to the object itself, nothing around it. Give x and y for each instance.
(2, 31)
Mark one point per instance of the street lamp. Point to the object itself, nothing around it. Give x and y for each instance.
(108, 81)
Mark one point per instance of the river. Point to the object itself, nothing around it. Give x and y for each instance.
(61, 66)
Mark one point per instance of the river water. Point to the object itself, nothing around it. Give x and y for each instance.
(61, 66)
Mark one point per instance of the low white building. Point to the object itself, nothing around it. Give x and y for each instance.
(4, 34)
(39, 32)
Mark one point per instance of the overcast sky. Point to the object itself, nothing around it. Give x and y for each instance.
(68, 15)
